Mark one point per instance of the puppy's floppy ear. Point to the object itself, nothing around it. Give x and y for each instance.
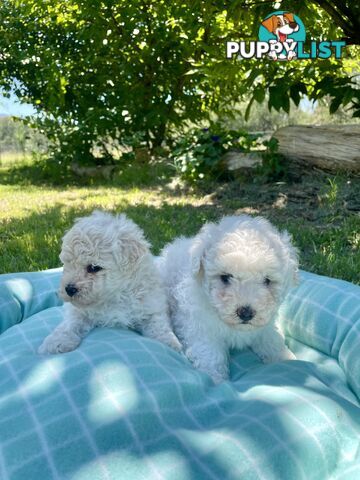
(198, 248)
(129, 244)
(290, 17)
(292, 261)
(129, 250)
(270, 23)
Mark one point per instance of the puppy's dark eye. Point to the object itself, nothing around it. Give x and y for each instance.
(93, 268)
(225, 278)
(267, 281)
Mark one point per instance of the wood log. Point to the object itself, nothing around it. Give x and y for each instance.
(328, 147)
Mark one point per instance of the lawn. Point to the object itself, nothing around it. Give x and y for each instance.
(38, 204)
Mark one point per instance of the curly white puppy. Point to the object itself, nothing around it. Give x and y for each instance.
(225, 286)
(109, 279)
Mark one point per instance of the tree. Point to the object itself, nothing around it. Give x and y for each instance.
(136, 71)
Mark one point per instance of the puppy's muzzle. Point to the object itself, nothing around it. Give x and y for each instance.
(71, 290)
(245, 313)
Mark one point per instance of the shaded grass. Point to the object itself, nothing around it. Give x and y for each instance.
(39, 171)
(319, 210)
(332, 251)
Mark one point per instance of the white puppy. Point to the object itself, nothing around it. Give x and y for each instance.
(109, 279)
(225, 286)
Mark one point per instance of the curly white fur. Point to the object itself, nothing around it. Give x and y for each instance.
(125, 291)
(240, 267)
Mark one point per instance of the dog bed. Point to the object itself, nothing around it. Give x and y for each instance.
(123, 406)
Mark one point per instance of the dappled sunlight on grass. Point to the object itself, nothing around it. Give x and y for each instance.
(14, 158)
(321, 211)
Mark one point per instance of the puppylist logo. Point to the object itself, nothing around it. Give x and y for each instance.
(282, 37)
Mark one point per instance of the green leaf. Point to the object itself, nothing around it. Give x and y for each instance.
(295, 93)
(286, 103)
(254, 73)
(259, 94)
(335, 104)
(248, 109)
(275, 98)
(302, 87)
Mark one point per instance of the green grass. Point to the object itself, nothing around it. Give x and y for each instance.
(12, 158)
(38, 204)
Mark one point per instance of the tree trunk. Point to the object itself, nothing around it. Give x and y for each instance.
(329, 147)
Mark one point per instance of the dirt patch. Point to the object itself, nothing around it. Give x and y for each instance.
(311, 196)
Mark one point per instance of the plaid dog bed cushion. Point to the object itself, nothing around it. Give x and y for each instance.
(123, 406)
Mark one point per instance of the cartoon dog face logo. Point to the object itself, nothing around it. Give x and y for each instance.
(281, 26)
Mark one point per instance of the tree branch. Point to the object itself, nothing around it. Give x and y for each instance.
(346, 25)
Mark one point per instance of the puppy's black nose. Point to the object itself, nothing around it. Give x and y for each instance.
(293, 24)
(245, 313)
(71, 290)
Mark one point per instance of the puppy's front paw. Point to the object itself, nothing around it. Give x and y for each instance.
(172, 341)
(219, 377)
(200, 355)
(59, 344)
(287, 355)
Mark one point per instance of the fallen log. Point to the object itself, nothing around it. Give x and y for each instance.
(328, 147)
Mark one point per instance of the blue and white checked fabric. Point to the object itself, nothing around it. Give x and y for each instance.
(25, 294)
(123, 406)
